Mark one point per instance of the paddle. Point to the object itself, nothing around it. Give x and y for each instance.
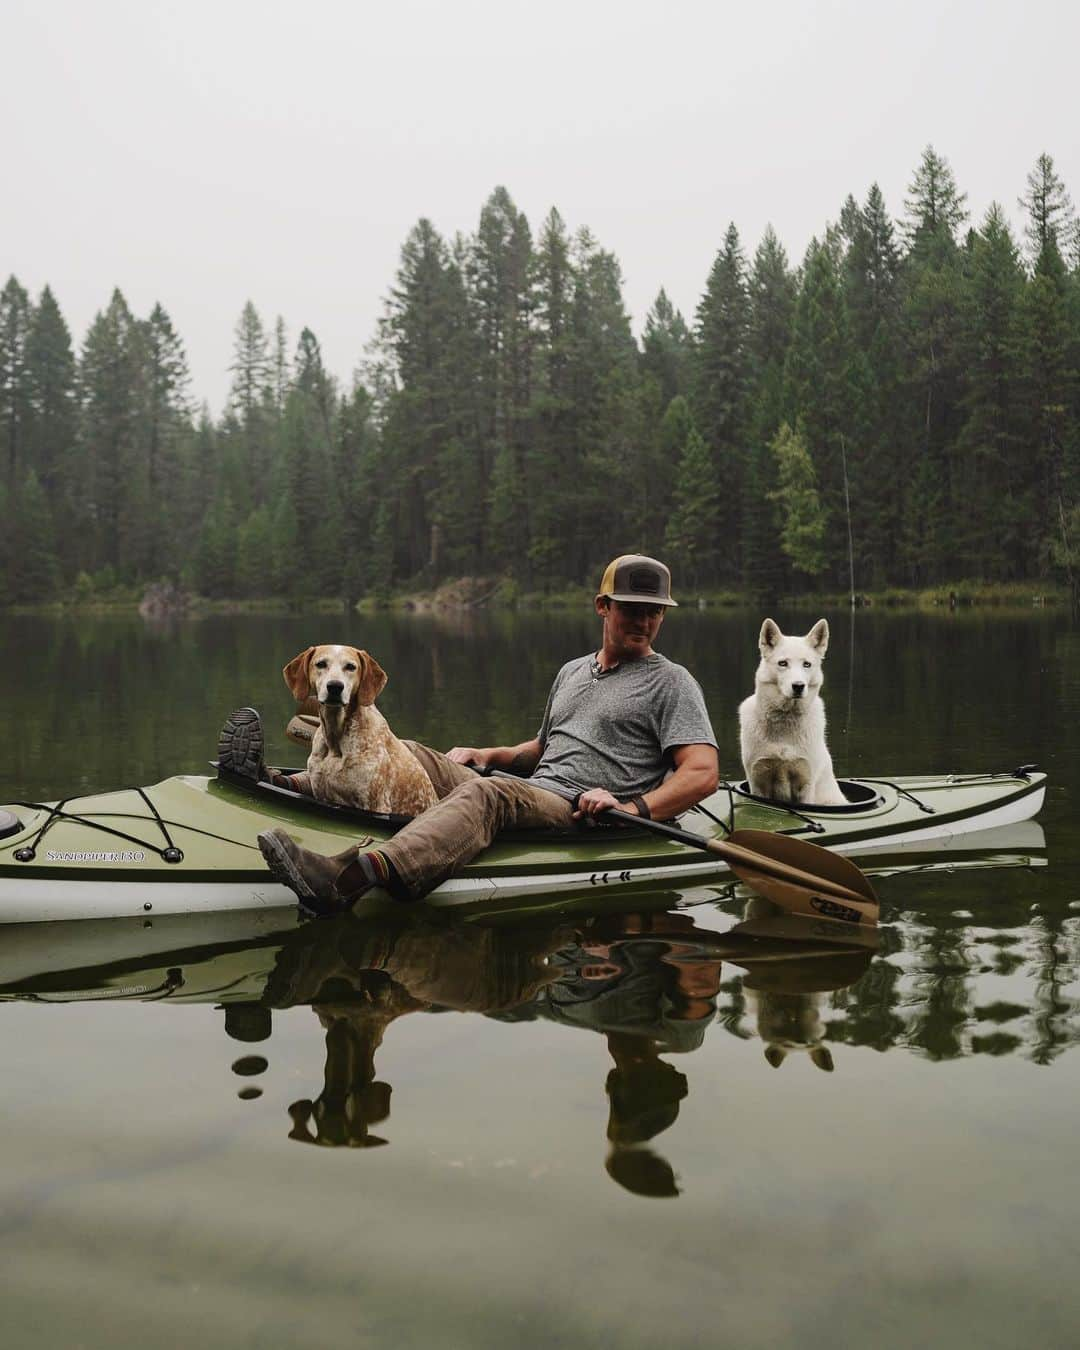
(800, 877)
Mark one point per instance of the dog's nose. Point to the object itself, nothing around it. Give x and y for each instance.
(334, 689)
(797, 690)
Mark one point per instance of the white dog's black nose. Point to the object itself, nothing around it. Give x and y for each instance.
(797, 690)
(334, 690)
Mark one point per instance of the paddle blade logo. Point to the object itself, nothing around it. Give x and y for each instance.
(832, 909)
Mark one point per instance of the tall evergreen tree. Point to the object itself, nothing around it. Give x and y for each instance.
(824, 380)
(50, 381)
(882, 453)
(666, 349)
(249, 427)
(14, 394)
(539, 489)
(995, 486)
(932, 286)
(111, 489)
(772, 292)
(164, 418)
(720, 385)
(692, 541)
(804, 519)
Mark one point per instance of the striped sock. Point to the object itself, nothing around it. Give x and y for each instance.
(385, 873)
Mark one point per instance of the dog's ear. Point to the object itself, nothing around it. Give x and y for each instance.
(822, 1057)
(297, 675)
(818, 636)
(372, 679)
(775, 1055)
(769, 636)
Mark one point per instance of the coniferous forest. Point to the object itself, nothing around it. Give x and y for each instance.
(903, 403)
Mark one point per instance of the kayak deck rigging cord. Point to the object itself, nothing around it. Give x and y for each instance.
(28, 852)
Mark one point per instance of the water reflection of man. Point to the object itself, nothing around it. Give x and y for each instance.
(649, 989)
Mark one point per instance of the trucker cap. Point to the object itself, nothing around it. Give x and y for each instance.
(635, 579)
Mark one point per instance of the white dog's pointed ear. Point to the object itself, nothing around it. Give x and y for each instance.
(818, 636)
(770, 635)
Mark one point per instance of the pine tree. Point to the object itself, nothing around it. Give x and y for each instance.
(824, 381)
(772, 293)
(281, 368)
(871, 275)
(665, 349)
(255, 550)
(804, 520)
(32, 570)
(50, 382)
(720, 385)
(547, 468)
(308, 471)
(932, 288)
(14, 394)
(692, 540)
(426, 337)
(164, 419)
(1051, 219)
(610, 486)
(994, 485)
(935, 208)
(110, 477)
(215, 558)
(251, 396)
(499, 280)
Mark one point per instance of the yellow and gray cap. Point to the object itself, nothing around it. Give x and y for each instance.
(637, 580)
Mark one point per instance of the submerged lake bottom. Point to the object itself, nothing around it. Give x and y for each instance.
(596, 1122)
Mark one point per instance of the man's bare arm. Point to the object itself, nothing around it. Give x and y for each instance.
(697, 773)
(520, 759)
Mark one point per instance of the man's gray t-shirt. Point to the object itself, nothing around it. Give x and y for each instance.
(617, 730)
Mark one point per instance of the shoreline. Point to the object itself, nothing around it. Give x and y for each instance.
(471, 594)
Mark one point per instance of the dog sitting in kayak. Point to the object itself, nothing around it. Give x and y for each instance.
(355, 759)
(782, 724)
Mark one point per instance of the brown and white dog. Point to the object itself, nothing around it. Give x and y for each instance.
(355, 759)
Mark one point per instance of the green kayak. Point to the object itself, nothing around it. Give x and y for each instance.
(188, 844)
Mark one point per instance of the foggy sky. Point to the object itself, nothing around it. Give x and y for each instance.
(202, 154)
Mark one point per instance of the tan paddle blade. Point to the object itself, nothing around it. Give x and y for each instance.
(809, 858)
(799, 877)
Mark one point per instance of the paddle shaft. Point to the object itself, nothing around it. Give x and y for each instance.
(750, 859)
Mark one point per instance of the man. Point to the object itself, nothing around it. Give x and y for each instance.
(623, 727)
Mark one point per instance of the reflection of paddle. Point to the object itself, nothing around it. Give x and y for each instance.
(798, 876)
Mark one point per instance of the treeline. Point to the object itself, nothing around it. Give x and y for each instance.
(904, 404)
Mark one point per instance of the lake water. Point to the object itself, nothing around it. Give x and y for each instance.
(588, 1129)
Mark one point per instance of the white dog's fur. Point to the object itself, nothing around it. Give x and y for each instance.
(782, 724)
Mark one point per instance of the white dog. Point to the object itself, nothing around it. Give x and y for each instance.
(782, 725)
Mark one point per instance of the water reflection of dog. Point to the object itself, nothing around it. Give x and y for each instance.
(785, 996)
(359, 976)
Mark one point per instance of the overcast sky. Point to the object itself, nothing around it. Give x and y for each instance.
(202, 154)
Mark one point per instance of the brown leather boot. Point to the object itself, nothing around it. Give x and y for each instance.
(324, 886)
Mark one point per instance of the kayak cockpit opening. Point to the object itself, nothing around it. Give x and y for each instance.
(860, 797)
(392, 822)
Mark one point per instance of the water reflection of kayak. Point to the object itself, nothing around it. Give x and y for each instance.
(188, 844)
(272, 959)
